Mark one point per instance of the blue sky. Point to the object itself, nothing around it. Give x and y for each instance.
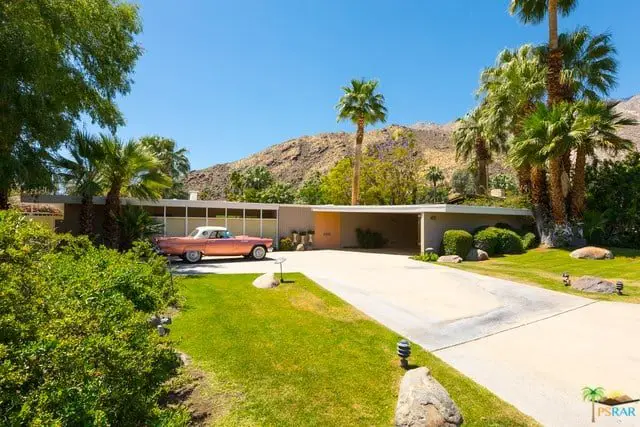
(228, 78)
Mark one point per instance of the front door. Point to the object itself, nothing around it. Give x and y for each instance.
(327, 234)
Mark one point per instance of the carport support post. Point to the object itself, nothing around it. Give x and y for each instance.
(164, 219)
(423, 217)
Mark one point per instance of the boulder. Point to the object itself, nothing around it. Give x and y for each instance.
(300, 247)
(592, 252)
(423, 402)
(476, 254)
(450, 258)
(266, 281)
(593, 284)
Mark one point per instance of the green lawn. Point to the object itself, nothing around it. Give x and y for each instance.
(544, 267)
(298, 355)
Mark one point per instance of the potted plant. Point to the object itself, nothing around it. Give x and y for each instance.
(310, 233)
(294, 235)
(303, 237)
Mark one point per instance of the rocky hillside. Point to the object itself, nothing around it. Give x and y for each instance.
(294, 160)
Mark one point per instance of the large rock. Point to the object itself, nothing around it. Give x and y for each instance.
(423, 402)
(300, 247)
(592, 252)
(266, 281)
(450, 258)
(476, 254)
(594, 284)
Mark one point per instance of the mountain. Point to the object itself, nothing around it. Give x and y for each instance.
(296, 159)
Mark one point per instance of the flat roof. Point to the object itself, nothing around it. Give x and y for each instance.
(409, 209)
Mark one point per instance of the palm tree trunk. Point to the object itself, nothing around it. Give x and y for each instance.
(482, 157)
(355, 186)
(86, 215)
(554, 66)
(524, 178)
(579, 187)
(112, 211)
(557, 197)
(539, 186)
(593, 412)
(4, 199)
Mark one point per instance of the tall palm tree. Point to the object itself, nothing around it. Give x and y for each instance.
(593, 395)
(546, 136)
(80, 174)
(362, 106)
(595, 126)
(174, 161)
(476, 138)
(511, 88)
(434, 175)
(128, 169)
(534, 11)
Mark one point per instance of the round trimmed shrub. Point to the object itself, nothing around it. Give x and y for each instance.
(509, 242)
(457, 242)
(487, 239)
(495, 240)
(529, 241)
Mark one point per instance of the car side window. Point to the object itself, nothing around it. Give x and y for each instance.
(205, 234)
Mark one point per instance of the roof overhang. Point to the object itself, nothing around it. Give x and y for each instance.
(419, 209)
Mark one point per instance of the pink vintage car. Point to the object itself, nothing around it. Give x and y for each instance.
(213, 241)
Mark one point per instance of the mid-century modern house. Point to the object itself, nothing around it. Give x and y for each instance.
(406, 227)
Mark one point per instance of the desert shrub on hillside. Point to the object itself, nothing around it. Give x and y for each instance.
(76, 346)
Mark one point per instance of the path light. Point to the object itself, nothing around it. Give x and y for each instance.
(619, 287)
(565, 279)
(162, 331)
(404, 351)
(281, 261)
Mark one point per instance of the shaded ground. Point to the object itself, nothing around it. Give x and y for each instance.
(301, 356)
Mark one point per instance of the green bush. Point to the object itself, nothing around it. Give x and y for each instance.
(432, 257)
(286, 244)
(529, 241)
(457, 242)
(76, 346)
(368, 239)
(495, 240)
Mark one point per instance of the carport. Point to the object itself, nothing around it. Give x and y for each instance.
(411, 228)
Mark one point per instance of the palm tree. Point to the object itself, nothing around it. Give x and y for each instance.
(593, 395)
(80, 174)
(595, 126)
(362, 106)
(175, 162)
(476, 138)
(128, 169)
(534, 11)
(545, 138)
(511, 88)
(434, 175)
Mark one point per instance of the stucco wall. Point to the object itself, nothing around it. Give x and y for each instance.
(401, 230)
(298, 218)
(434, 225)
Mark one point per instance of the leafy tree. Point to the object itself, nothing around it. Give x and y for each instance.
(128, 169)
(310, 192)
(278, 192)
(80, 174)
(62, 59)
(135, 224)
(504, 182)
(362, 106)
(174, 161)
(592, 395)
(462, 182)
(595, 126)
(336, 184)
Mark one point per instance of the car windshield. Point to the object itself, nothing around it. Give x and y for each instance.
(194, 233)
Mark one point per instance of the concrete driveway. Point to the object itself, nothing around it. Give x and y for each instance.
(534, 348)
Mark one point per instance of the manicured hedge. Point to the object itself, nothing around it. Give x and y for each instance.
(529, 241)
(76, 347)
(495, 240)
(457, 242)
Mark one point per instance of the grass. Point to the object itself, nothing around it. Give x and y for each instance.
(298, 355)
(544, 267)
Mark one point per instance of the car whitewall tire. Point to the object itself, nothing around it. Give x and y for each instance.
(192, 256)
(258, 252)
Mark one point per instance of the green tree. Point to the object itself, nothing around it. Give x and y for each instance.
(80, 174)
(174, 161)
(135, 223)
(592, 395)
(61, 59)
(595, 126)
(434, 176)
(278, 192)
(362, 106)
(336, 184)
(310, 192)
(128, 169)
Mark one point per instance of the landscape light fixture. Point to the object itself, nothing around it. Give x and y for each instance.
(619, 287)
(281, 261)
(404, 351)
(565, 279)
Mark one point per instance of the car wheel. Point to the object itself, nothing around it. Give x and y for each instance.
(258, 252)
(192, 256)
